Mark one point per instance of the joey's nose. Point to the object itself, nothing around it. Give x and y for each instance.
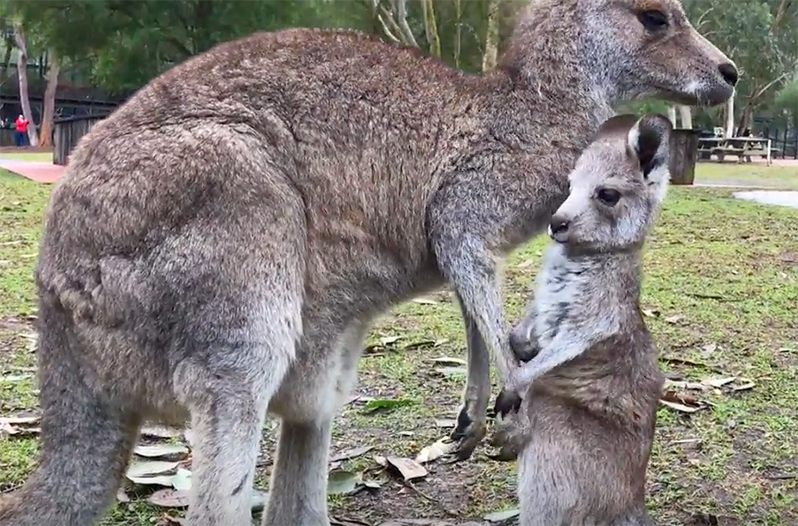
(729, 73)
(558, 228)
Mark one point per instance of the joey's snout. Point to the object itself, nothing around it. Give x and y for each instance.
(558, 228)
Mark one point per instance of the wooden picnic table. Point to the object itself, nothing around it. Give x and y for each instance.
(742, 147)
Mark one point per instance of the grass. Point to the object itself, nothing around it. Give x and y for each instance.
(42, 157)
(720, 293)
(731, 173)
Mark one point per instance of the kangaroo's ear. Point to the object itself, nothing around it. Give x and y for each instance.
(649, 141)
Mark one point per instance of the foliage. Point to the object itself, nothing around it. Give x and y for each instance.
(761, 36)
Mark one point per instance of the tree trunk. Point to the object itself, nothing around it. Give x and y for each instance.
(6, 61)
(491, 38)
(672, 115)
(22, 73)
(730, 117)
(49, 101)
(745, 119)
(431, 28)
(686, 117)
(458, 33)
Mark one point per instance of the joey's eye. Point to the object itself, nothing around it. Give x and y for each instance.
(609, 196)
(653, 20)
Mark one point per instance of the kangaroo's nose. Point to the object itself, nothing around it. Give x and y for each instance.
(729, 73)
(558, 225)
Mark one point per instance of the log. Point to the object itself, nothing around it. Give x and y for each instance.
(683, 155)
(66, 134)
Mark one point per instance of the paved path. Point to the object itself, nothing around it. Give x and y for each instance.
(770, 197)
(40, 172)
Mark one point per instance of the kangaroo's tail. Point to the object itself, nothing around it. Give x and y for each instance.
(86, 440)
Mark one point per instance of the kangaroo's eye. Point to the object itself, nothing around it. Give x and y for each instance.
(609, 196)
(653, 20)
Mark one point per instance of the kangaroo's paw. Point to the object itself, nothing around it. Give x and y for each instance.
(469, 431)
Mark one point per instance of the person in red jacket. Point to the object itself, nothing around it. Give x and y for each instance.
(21, 130)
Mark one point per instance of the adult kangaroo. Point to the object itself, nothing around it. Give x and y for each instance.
(219, 245)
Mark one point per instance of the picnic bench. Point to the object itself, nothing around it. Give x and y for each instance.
(744, 148)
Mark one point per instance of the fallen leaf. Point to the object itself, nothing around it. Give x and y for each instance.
(20, 420)
(744, 387)
(419, 344)
(11, 378)
(340, 521)
(434, 451)
(527, 263)
(151, 468)
(409, 468)
(351, 453)
(707, 350)
(425, 301)
(681, 402)
(385, 404)
(160, 450)
(651, 313)
(500, 516)
(446, 422)
(340, 482)
(169, 498)
(372, 484)
(674, 319)
(382, 461)
(160, 432)
(389, 340)
(445, 360)
(718, 382)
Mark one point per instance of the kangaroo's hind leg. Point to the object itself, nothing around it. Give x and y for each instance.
(315, 390)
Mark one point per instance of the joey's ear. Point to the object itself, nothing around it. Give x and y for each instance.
(649, 140)
(617, 126)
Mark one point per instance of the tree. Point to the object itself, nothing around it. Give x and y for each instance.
(22, 73)
(48, 114)
(761, 36)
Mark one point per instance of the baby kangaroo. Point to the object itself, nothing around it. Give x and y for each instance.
(584, 430)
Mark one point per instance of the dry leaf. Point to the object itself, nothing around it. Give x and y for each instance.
(424, 301)
(20, 420)
(351, 453)
(169, 498)
(744, 386)
(409, 468)
(445, 422)
(718, 382)
(161, 450)
(160, 432)
(442, 447)
(682, 402)
(449, 361)
(674, 319)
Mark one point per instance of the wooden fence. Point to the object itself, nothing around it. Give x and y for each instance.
(67, 132)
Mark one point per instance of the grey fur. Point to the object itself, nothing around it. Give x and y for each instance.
(219, 245)
(584, 433)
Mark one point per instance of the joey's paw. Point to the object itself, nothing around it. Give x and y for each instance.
(508, 402)
(507, 438)
(523, 348)
(468, 433)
